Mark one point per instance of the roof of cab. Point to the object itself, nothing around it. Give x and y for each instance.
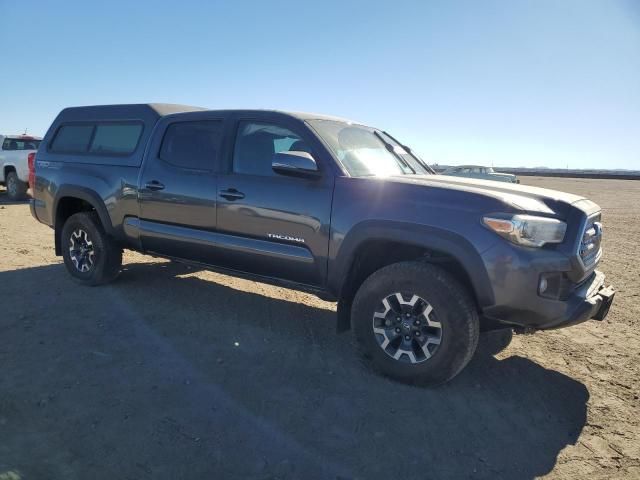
(298, 115)
(313, 116)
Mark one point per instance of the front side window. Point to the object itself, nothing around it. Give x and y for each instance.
(364, 151)
(192, 145)
(256, 144)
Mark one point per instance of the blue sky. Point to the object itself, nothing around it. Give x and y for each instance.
(512, 83)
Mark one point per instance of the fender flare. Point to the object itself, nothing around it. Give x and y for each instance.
(89, 196)
(422, 236)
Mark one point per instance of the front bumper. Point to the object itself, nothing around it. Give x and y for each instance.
(590, 300)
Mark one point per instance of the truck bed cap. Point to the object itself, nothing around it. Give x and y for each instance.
(132, 110)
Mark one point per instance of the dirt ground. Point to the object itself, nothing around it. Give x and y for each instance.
(177, 373)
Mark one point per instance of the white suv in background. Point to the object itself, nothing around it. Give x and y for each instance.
(14, 163)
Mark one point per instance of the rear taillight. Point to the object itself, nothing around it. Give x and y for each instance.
(31, 161)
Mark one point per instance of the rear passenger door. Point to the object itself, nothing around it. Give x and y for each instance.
(177, 190)
(271, 224)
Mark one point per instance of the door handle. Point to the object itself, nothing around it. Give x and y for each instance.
(154, 185)
(232, 194)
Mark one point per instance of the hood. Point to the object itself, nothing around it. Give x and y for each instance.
(534, 200)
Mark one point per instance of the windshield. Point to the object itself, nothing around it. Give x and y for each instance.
(364, 151)
(20, 144)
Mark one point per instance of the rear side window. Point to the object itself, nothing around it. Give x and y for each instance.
(72, 138)
(116, 139)
(113, 138)
(192, 145)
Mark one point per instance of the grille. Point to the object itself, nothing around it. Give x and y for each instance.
(590, 245)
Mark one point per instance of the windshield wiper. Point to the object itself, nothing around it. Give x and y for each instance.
(413, 155)
(392, 150)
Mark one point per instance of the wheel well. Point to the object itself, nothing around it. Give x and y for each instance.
(66, 207)
(376, 254)
(7, 170)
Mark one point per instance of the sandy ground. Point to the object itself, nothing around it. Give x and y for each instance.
(176, 373)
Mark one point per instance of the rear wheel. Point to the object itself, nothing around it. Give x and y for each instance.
(16, 190)
(415, 323)
(90, 255)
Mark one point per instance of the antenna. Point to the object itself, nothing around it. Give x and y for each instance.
(25, 131)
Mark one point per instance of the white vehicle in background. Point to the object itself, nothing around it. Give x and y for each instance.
(15, 155)
(483, 173)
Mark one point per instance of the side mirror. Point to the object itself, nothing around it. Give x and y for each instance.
(296, 163)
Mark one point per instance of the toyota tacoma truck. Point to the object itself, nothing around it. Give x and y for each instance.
(418, 263)
(16, 151)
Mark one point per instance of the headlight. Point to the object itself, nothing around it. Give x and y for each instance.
(528, 230)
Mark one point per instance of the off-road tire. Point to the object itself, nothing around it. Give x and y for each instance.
(16, 189)
(107, 252)
(451, 302)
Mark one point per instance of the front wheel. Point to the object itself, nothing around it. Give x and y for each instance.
(416, 323)
(90, 255)
(16, 189)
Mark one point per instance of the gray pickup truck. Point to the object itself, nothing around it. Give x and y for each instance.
(419, 263)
